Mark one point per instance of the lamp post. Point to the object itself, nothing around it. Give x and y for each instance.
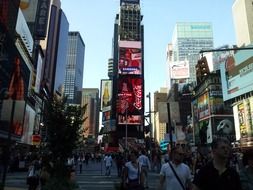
(126, 128)
(169, 126)
(149, 114)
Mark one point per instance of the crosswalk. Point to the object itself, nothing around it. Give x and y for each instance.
(92, 178)
(102, 182)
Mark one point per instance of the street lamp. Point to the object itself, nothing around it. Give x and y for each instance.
(126, 127)
(149, 113)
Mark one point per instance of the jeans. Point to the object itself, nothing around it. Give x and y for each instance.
(108, 170)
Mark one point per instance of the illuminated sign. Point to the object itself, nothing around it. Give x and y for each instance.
(130, 58)
(129, 101)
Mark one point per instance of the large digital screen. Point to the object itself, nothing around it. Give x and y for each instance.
(130, 58)
(129, 101)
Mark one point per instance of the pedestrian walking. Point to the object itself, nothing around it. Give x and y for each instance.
(119, 163)
(133, 175)
(44, 175)
(108, 164)
(145, 166)
(216, 174)
(246, 173)
(80, 163)
(174, 174)
(33, 175)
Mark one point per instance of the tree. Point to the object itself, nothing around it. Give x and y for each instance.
(63, 124)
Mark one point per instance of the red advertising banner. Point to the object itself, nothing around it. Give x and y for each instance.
(130, 58)
(130, 61)
(129, 102)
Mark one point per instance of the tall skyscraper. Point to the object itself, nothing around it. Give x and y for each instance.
(243, 21)
(74, 68)
(90, 96)
(183, 52)
(61, 52)
(127, 109)
(55, 47)
(160, 114)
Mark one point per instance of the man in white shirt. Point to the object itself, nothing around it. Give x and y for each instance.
(108, 164)
(145, 166)
(167, 175)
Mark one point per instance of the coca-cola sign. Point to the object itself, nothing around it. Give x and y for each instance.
(129, 99)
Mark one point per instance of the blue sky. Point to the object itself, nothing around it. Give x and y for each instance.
(94, 19)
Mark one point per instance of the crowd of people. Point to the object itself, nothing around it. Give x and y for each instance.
(219, 168)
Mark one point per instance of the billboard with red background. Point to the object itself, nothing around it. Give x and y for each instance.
(130, 58)
(129, 101)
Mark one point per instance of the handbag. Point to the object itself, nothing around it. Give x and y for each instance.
(134, 184)
(178, 179)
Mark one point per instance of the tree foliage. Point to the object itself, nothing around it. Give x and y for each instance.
(63, 123)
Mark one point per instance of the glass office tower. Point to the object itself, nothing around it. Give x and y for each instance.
(74, 68)
(187, 41)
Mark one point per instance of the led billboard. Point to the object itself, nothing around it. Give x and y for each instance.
(130, 58)
(129, 101)
(106, 95)
(236, 74)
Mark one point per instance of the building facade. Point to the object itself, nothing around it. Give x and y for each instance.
(127, 109)
(160, 120)
(90, 96)
(74, 68)
(61, 48)
(187, 41)
(243, 21)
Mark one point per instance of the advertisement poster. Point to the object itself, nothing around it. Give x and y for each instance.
(203, 106)
(28, 125)
(224, 127)
(130, 58)
(106, 95)
(236, 75)
(251, 111)
(129, 102)
(242, 120)
(180, 70)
